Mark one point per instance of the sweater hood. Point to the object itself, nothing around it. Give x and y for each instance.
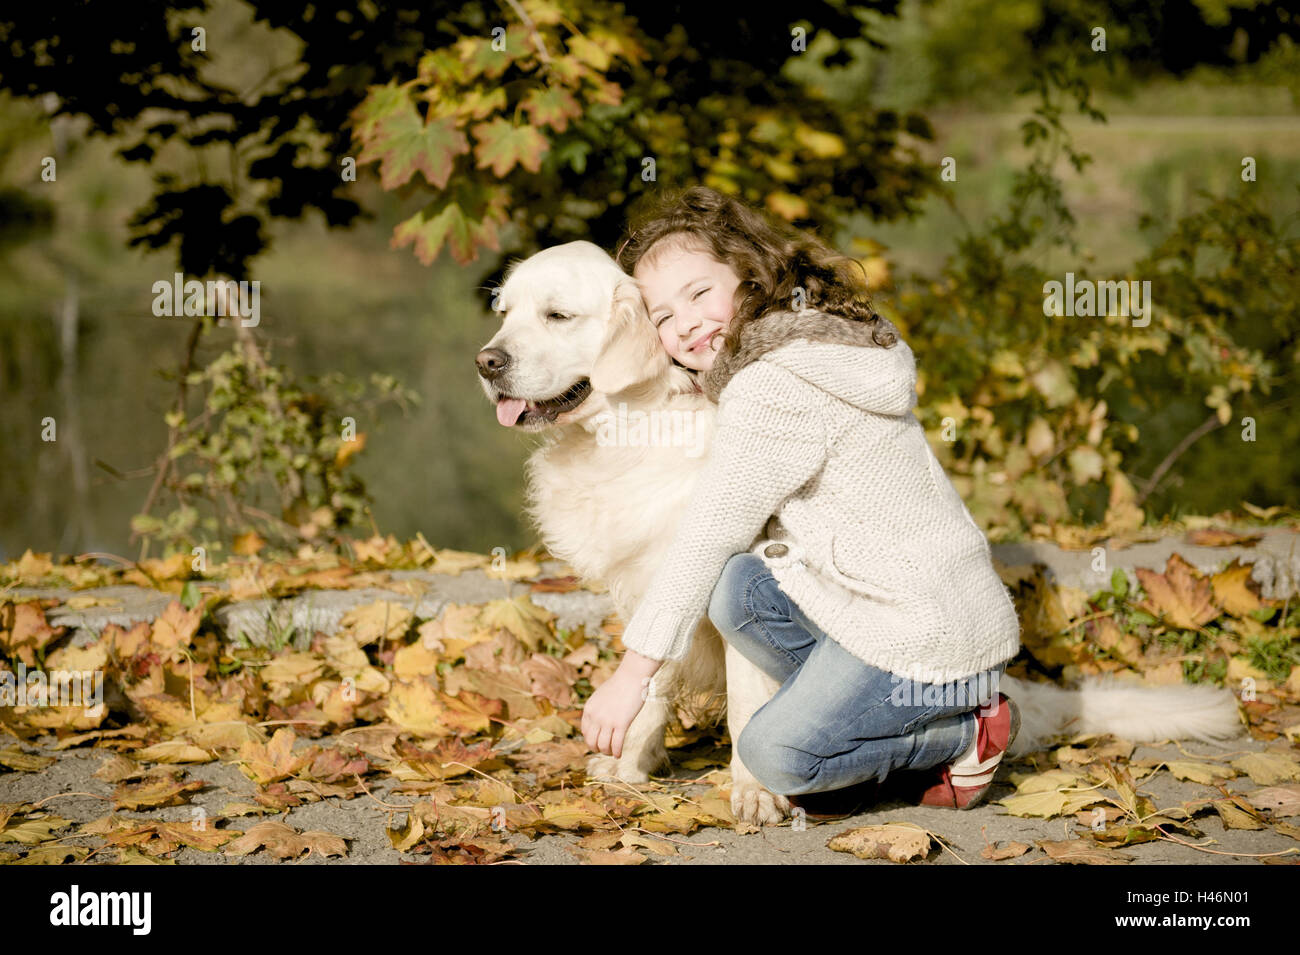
(840, 356)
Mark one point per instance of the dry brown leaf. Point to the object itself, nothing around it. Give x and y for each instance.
(117, 768)
(1219, 537)
(1082, 852)
(16, 759)
(1106, 634)
(382, 618)
(274, 761)
(552, 679)
(1281, 800)
(556, 585)
(454, 561)
(285, 842)
(521, 617)
(176, 626)
(1181, 596)
(897, 842)
(1009, 850)
(1236, 815)
(154, 792)
(624, 856)
(1206, 773)
(1268, 768)
(1232, 589)
(415, 707)
(174, 751)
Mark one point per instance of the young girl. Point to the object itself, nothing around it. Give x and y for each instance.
(824, 540)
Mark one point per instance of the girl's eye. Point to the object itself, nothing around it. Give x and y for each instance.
(698, 294)
(662, 320)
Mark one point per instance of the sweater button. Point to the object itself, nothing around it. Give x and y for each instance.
(776, 550)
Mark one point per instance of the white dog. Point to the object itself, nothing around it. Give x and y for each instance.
(578, 359)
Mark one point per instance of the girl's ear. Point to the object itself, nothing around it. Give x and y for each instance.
(630, 352)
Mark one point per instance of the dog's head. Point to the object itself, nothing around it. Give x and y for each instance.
(575, 331)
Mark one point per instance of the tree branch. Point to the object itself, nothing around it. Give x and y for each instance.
(1204, 428)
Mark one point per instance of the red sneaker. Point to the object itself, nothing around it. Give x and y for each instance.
(834, 804)
(963, 783)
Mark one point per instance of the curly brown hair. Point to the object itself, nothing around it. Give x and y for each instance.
(771, 260)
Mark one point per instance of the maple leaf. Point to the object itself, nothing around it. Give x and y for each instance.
(1179, 595)
(285, 842)
(380, 103)
(155, 791)
(521, 617)
(415, 708)
(503, 145)
(28, 631)
(176, 627)
(482, 60)
(159, 838)
(403, 142)
(382, 618)
(475, 104)
(275, 760)
(1232, 589)
(331, 765)
(451, 219)
(552, 679)
(553, 106)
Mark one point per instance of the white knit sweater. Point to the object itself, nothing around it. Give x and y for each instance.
(879, 549)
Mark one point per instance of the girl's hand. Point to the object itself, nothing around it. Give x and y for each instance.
(610, 711)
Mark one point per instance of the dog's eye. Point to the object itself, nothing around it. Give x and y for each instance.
(558, 316)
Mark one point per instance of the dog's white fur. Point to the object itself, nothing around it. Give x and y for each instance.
(610, 511)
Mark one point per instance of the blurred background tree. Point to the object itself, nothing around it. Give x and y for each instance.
(233, 160)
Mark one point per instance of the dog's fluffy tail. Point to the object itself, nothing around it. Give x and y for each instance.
(1136, 713)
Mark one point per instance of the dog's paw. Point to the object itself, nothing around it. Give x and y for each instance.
(612, 768)
(752, 803)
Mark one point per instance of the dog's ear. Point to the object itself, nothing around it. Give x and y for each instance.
(630, 352)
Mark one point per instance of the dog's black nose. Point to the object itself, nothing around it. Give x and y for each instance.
(491, 362)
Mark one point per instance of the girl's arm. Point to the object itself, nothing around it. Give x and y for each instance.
(768, 442)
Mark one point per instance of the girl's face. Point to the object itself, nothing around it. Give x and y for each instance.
(690, 297)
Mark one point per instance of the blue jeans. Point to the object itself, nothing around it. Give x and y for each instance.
(835, 721)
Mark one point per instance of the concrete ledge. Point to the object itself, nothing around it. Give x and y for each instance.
(1276, 560)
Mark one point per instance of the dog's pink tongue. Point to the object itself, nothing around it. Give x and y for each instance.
(508, 410)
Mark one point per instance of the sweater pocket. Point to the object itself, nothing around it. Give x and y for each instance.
(856, 569)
